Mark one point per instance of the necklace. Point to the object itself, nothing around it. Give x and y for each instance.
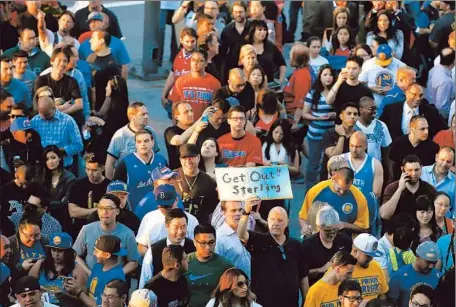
(55, 181)
(190, 186)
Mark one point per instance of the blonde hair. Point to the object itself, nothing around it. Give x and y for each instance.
(246, 50)
(404, 72)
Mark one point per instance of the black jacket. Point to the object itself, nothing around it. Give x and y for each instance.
(157, 250)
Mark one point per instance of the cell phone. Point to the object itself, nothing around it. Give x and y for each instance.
(205, 118)
(34, 260)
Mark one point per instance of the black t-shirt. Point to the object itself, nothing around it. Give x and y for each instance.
(102, 62)
(170, 293)
(9, 192)
(212, 69)
(198, 194)
(8, 36)
(401, 147)
(348, 93)
(320, 255)
(173, 151)
(66, 88)
(330, 139)
(245, 98)
(276, 270)
(79, 195)
(270, 60)
(211, 132)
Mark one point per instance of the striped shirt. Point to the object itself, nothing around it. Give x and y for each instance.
(61, 131)
(318, 127)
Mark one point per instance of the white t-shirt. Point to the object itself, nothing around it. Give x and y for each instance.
(373, 74)
(378, 136)
(48, 45)
(316, 63)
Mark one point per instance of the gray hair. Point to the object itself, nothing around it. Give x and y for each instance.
(327, 216)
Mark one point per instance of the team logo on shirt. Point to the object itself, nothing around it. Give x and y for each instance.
(384, 78)
(347, 208)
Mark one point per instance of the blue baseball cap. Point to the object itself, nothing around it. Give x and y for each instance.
(163, 173)
(117, 186)
(165, 195)
(384, 55)
(60, 240)
(20, 123)
(95, 16)
(428, 250)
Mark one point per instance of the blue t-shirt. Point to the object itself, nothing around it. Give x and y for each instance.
(118, 51)
(85, 242)
(52, 286)
(405, 279)
(20, 92)
(149, 203)
(99, 278)
(34, 252)
(86, 71)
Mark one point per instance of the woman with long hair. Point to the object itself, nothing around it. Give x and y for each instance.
(56, 181)
(58, 266)
(384, 27)
(320, 115)
(268, 55)
(211, 157)
(258, 80)
(341, 18)
(342, 42)
(247, 58)
(233, 290)
(425, 216)
(279, 148)
(363, 51)
(442, 204)
(267, 112)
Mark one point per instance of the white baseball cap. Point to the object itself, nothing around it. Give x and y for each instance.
(143, 298)
(368, 244)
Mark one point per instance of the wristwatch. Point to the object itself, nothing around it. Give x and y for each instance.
(245, 212)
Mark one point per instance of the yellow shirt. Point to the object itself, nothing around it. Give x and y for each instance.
(372, 280)
(352, 206)
(322, 294)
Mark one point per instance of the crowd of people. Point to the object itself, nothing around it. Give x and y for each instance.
(94, 213)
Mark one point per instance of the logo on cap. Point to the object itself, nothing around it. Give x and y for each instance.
(162, 195)
(57, 240)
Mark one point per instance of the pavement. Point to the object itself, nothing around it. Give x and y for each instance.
(131, 20)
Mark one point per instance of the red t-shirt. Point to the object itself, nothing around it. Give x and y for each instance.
(341, 52)
(198, 92)
(181, 64)
(266, 126)
(237, 152)
(296, 89)
(444, 138)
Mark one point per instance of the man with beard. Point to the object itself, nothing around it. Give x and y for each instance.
(181, 65)
(17, 89)
(6, 104)
(400, 196)
(368, 273)
(422, 271)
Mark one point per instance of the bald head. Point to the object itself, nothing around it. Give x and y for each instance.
(359, 137)
(237, 80)
(299, 55)
(236, 74)
(278, 211)
(46, 107)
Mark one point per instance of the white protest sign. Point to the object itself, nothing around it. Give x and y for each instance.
(268, 182)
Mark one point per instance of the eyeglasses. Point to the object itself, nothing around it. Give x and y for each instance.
(353, 299)
(241, 284)
(106, 209)
(282, 250)
(109, 296)
(15, 116)
(238, 119)
(36, 236)
(415, 304)
(205, 244)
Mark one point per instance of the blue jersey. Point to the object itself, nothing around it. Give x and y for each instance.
(139, 176)
(99, 278)
(34, 252)
(52, 286)
(405, 279)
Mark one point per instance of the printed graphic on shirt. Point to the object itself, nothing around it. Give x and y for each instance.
(384, 78)
(330, 304)
(370, 285)
(93, 287)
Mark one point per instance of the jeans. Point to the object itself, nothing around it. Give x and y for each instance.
(315, 157)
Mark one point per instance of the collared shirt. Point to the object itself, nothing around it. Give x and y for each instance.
(61, 131)
(447, 184)
(440, 89)
(218, 218)
(152, 228)
(229, 246)
(407, 115)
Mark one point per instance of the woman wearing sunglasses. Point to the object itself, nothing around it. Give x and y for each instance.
(233, 290)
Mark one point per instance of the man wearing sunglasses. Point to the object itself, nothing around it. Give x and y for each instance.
(238, 91)
(422, 271)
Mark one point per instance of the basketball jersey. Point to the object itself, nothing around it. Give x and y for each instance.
(139, 176)
(99, 278)
(181, 64)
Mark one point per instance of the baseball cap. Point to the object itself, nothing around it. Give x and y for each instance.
(20, 123)
(117, 186)
(188, 150)
(428, 250)
(165, 195)
(384, 55)
(368, 244)
(26, 284)
(163, 173)
(60, 240)
(143, 298)
(95, 16)
(110, 244)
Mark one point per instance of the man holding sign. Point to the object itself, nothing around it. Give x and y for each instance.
(240, 148)
(278, 268)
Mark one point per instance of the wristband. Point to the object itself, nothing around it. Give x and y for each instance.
(245, 212)
(79, 293)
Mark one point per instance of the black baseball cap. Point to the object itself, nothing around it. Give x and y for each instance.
(188, 150)
(26, 284)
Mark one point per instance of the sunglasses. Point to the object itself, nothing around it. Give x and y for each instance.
(241, 284)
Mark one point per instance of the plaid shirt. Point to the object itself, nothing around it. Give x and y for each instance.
(61, 131)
